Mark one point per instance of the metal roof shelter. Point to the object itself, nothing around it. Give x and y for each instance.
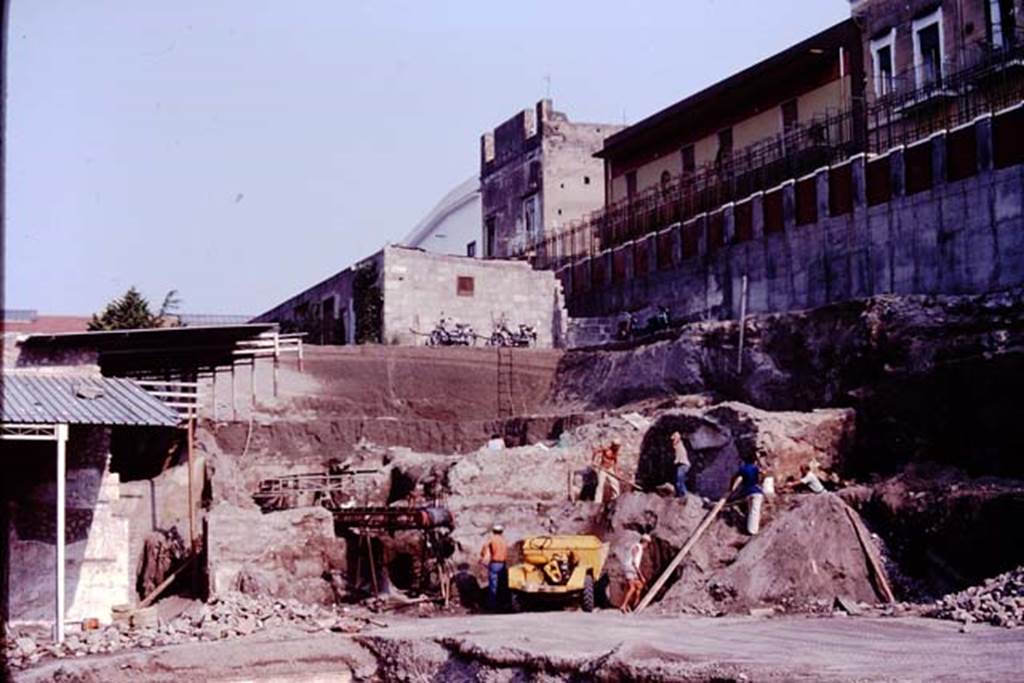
(171, 355)
(157, 351)
(38, 407)
(31, 398)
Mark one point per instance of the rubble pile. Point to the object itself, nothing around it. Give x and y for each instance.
(999, 601)
(230, 616)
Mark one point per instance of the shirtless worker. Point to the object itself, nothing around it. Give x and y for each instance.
(607, 460)
(494, 555)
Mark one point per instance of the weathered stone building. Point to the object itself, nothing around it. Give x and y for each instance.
(537, 173)
(930, 65)
(397, 295)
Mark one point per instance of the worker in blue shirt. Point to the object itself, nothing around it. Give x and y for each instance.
(748, 476)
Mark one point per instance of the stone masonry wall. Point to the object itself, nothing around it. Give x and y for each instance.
(421, 288)
(942, 216)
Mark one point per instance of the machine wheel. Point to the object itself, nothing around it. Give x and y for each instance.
(515, 602)
(588, 593)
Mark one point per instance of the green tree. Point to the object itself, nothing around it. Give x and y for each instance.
(368, 302)
(132, 312)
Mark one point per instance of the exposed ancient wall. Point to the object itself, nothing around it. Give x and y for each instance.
(942, 216)
(98, 571)
(421, 288)
(325, 311)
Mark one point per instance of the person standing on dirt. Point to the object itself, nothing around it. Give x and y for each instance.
(606, 461)
(748, 477)
(494, 555)
(635, 579)
(682, 464)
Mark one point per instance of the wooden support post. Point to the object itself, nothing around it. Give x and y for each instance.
(252, 386)
(684, 551)
(191, 493)
(62, 440)
(213, 393)
(373, 567)
(277, 357)
(300, 352)
(234, 405)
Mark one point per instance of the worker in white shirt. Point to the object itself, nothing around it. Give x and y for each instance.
(635, 578)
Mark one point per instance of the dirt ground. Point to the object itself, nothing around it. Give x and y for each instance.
(571, 645)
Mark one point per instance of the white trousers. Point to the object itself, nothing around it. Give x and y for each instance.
(754, 503)
(604, 478)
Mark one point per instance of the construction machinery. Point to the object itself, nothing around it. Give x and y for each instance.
(557, 568)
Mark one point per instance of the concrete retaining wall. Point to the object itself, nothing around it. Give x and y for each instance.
(943, 216)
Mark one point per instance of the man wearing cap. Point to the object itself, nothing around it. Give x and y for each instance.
(494, 554)
(634, 574)
(606, 461)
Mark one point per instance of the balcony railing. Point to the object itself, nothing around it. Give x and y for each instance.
(987, 80)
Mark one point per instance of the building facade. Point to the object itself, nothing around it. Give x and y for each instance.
(790, 101)
(537, 174)
(398, 295)
(453, 225)
(935, 65)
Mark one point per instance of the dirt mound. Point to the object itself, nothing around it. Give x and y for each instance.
(808, 552)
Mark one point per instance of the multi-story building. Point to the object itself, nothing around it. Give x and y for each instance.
(453, 225)
(791, 101)
(933, 65)
(538, 173)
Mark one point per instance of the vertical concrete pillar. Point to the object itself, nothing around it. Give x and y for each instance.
(789, 205)
(821, 193)
(728, 223)
(701, 223)
(938, 144)
(676, 237)
(859, 188)
(897, 172)
(983, 140)
(757, 220)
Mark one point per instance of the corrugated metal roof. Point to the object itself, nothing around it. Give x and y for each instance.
(69, 399)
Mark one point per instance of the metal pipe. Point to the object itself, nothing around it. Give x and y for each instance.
(62, 437)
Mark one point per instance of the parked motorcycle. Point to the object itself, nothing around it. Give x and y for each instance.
(502, 335)
(447, 332)
(659, 322)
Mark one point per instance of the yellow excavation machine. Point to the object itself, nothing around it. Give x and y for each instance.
(557, 569)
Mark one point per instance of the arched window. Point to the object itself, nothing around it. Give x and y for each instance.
(666, 182)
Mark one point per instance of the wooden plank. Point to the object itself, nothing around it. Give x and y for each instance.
(869, 552)
(684, 551)
(164, 584)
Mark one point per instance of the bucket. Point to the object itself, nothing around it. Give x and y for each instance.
(768, 486)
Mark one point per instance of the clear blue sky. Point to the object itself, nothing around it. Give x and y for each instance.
(240, 150)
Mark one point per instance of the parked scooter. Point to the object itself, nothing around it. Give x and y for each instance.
(447, 332)
(502, 335)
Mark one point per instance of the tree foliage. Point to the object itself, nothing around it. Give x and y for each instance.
(131, 312)
(368, 302)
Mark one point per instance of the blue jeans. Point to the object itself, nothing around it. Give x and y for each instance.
(494, 572)
(681, 471)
